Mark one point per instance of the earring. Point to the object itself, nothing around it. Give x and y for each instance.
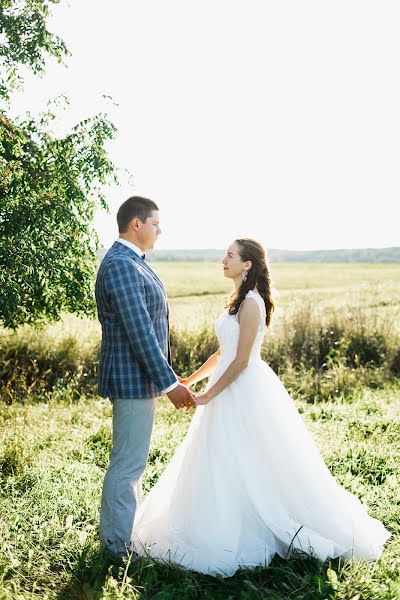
(244, 275)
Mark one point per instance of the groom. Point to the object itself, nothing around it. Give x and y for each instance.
(135, 363)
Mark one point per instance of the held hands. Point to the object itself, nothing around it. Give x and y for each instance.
(181, 397)
(184, 381)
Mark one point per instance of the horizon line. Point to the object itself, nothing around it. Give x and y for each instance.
(214, 249)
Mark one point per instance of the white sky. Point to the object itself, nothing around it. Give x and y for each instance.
(277, 120)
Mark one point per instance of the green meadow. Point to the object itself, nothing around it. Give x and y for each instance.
(197, 290)
(334, 341)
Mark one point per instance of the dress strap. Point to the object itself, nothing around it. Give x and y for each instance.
(261, 305)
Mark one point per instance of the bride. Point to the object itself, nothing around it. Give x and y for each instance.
(248, 481)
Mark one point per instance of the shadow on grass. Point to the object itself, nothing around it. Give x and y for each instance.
(97, 575)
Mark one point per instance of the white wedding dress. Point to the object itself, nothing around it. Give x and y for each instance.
(248, 481)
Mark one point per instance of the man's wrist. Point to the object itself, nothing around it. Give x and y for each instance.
(171, 387)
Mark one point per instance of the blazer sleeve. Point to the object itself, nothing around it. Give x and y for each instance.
(126, 288)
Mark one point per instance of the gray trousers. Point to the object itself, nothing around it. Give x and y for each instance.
(132, 426)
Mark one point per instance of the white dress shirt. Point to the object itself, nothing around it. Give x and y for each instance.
(136, 249)
(140, 252)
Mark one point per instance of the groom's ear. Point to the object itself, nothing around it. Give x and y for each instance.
(135, 223)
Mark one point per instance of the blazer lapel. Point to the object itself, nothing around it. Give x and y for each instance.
(141, 262)
(146, 266)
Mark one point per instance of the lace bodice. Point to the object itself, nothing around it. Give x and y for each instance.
(227, 329)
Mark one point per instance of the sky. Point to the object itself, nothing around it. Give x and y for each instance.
(273, 120)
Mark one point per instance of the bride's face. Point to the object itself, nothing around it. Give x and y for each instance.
(232, 263)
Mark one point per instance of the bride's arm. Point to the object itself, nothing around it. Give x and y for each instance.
(249, 322)
(204, 371)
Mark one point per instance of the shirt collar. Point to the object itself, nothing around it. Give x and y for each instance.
(136, 249)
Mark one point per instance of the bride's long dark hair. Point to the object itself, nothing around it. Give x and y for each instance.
(258, 276)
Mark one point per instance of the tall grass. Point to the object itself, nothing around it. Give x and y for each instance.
(327, 355)
(319, 355)
(36, 365)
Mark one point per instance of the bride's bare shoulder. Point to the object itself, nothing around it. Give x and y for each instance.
(249, 309)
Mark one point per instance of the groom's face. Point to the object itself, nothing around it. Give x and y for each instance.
(149, 231)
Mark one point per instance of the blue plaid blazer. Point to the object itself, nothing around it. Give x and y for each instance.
(135, 358)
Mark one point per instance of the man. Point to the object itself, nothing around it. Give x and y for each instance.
(135, 363)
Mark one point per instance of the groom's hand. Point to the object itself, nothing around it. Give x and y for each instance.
(180, 397)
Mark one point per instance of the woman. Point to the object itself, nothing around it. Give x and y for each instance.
(248, 481)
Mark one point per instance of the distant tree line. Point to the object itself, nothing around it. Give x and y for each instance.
(362, 255)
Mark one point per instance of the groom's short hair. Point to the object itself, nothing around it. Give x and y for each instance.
(135, 206)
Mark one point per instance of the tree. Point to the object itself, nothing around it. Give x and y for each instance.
(49, 187)
(25, 40)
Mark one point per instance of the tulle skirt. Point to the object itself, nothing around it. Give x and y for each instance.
(248, 482)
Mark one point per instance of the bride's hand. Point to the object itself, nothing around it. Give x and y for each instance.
(183, 381)
(202, 399)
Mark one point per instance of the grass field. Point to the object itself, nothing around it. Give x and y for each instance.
(197, 291)
(54, 448)
(52, 461)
